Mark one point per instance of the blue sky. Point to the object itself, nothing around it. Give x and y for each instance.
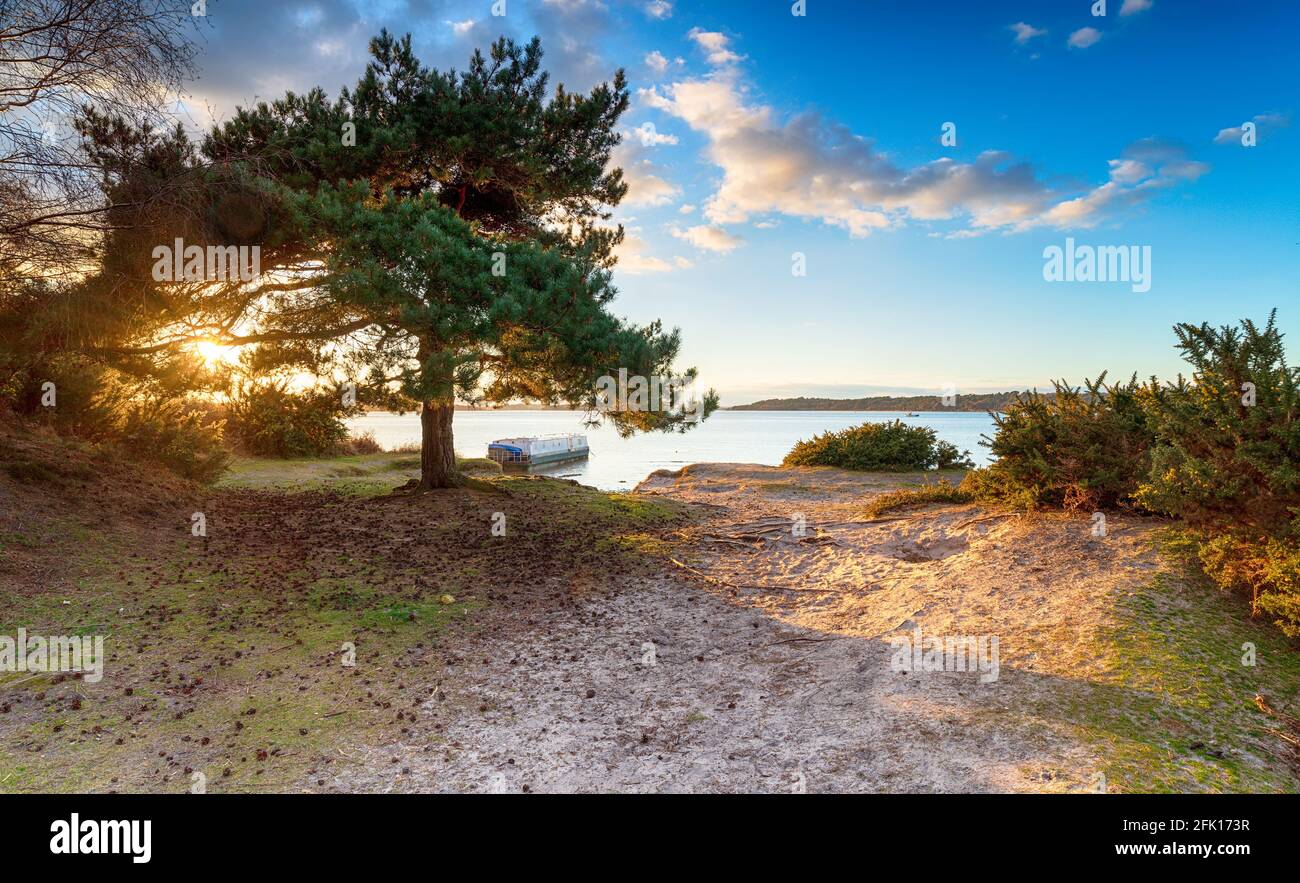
(755, 135)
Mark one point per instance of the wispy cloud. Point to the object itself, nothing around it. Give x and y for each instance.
(659, 9)
(810, 167)
(649, 136)
(633, 259)
(709, 238)
(646, 185)
(1264, 123)
(716, 46)
(1146, 167)
(1025, 32)
(1083, 38)
(1132, 7)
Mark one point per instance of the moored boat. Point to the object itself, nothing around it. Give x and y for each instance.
(523, 453)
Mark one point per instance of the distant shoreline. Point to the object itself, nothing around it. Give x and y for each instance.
(981, 403)
(966, 404)
(974, 403)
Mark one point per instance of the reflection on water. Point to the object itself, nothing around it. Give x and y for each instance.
(620, 464)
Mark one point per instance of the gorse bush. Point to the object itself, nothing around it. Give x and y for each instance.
(1230, 440)
(1228, 462)
(1084, 448)
(268, 420)
(879, 447)
(181, 437)
(1221, 452)
(946, 456)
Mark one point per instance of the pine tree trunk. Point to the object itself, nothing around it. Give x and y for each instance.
(437, 450)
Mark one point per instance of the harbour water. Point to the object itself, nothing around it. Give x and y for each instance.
(619, 464)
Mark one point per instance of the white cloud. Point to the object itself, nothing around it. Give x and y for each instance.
(1026, 32)
(715, 46)
(649, 136)
(812, 168)
(1132, 7)
(569, 6)
(645, 184)
(1128, 171)
(632, 257)
(1084, 37)
(659, 9)
(460, 28)
(1148, 166)
(708, 238)
(1264, 122)
(656, 62)
(686, 209)
(641, 265)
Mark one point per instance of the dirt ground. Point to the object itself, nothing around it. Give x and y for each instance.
(761, 664)
(725, 628)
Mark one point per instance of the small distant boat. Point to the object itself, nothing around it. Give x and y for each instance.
(523, 453)
(913, 415)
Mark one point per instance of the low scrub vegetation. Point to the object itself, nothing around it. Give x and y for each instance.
(1081, 448)
(940, 492)
(157, 420)
(1220, 452)
(879, 447)
(270, 420)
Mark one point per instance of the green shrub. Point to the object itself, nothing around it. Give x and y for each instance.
(1227, 462)
(267, 420)
(181, 437)
(878, 447)
(99, 404)
(1221, 453)
(1084, 448)
(1277, 593)
(1229, 443)
(946, 456)
(91, 399)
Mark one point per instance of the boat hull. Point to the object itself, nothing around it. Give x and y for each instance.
(527, 453)
(528, 461)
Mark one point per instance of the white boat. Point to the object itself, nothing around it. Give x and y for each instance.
(521, 453)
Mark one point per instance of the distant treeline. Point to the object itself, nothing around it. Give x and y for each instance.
(989, 401)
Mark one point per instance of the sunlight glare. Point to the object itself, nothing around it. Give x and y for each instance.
(214, 353)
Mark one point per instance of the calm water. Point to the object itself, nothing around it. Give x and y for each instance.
(619, 464)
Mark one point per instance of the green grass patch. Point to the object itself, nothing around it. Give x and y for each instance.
(1177, 710)
(364, 475)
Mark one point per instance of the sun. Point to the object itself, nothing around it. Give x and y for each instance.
(215, 353)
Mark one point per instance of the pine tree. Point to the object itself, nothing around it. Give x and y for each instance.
(455, 225)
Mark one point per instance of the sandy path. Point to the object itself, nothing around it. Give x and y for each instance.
(695, 681)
